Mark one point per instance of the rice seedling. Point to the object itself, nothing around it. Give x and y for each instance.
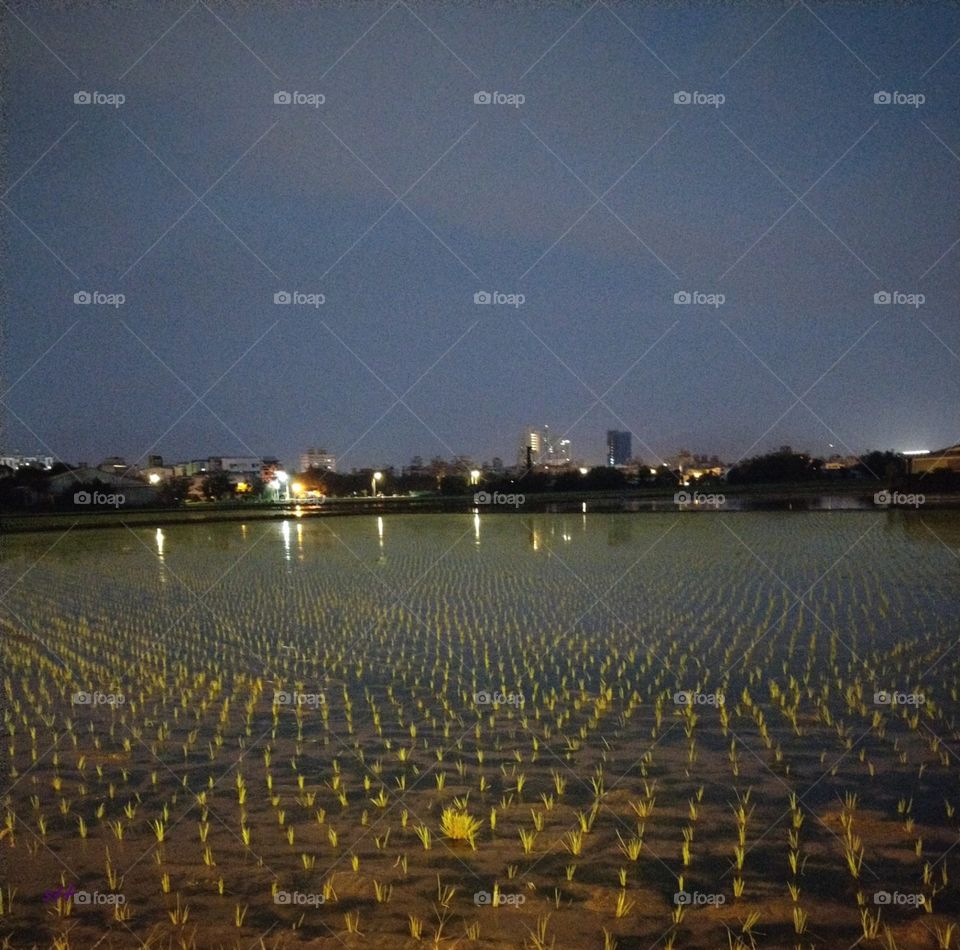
(457, 825)
(944, 934)
(179, 914)
(624, 905)
(527, 839)
(423, 833)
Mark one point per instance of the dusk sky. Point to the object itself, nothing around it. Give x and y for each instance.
(598, 198)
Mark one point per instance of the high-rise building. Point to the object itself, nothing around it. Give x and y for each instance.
(531, 440)
(317, 458)
(619, 450)
(545, 449)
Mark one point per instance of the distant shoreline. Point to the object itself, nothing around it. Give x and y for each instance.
(737, 499)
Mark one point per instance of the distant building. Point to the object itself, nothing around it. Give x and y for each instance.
(837, 463)
(234, 464)
(27, 461)
(691, 466)
(318, 458)
(943, 460)
(231, 464)
(556, 450)
(134, 491)
(116, 465)
(619, 451)
(268, 468)
(531, 447)
(546, 450)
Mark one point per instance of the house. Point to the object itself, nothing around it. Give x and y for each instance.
(943, 460)
(135, 493)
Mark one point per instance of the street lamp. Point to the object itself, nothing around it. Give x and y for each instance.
(377, 476)
(282, 478)
(474, 476)
(154, 478)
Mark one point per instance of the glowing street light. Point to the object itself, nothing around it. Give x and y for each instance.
(297, 488)
(474, 476)
(377, 476)
(154, 478)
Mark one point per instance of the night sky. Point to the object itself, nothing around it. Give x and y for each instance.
(398, 198)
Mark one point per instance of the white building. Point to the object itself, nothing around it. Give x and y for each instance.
(23, 461)
(232, 464)
(317, 458)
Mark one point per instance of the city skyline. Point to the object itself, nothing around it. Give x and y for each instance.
(322, 458)
(423, 264)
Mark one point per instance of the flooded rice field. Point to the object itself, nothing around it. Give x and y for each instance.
(576, 731)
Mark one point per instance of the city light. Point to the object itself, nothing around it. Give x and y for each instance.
(474, 476)
(373, 482)
(154, 478)
(297, 488)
